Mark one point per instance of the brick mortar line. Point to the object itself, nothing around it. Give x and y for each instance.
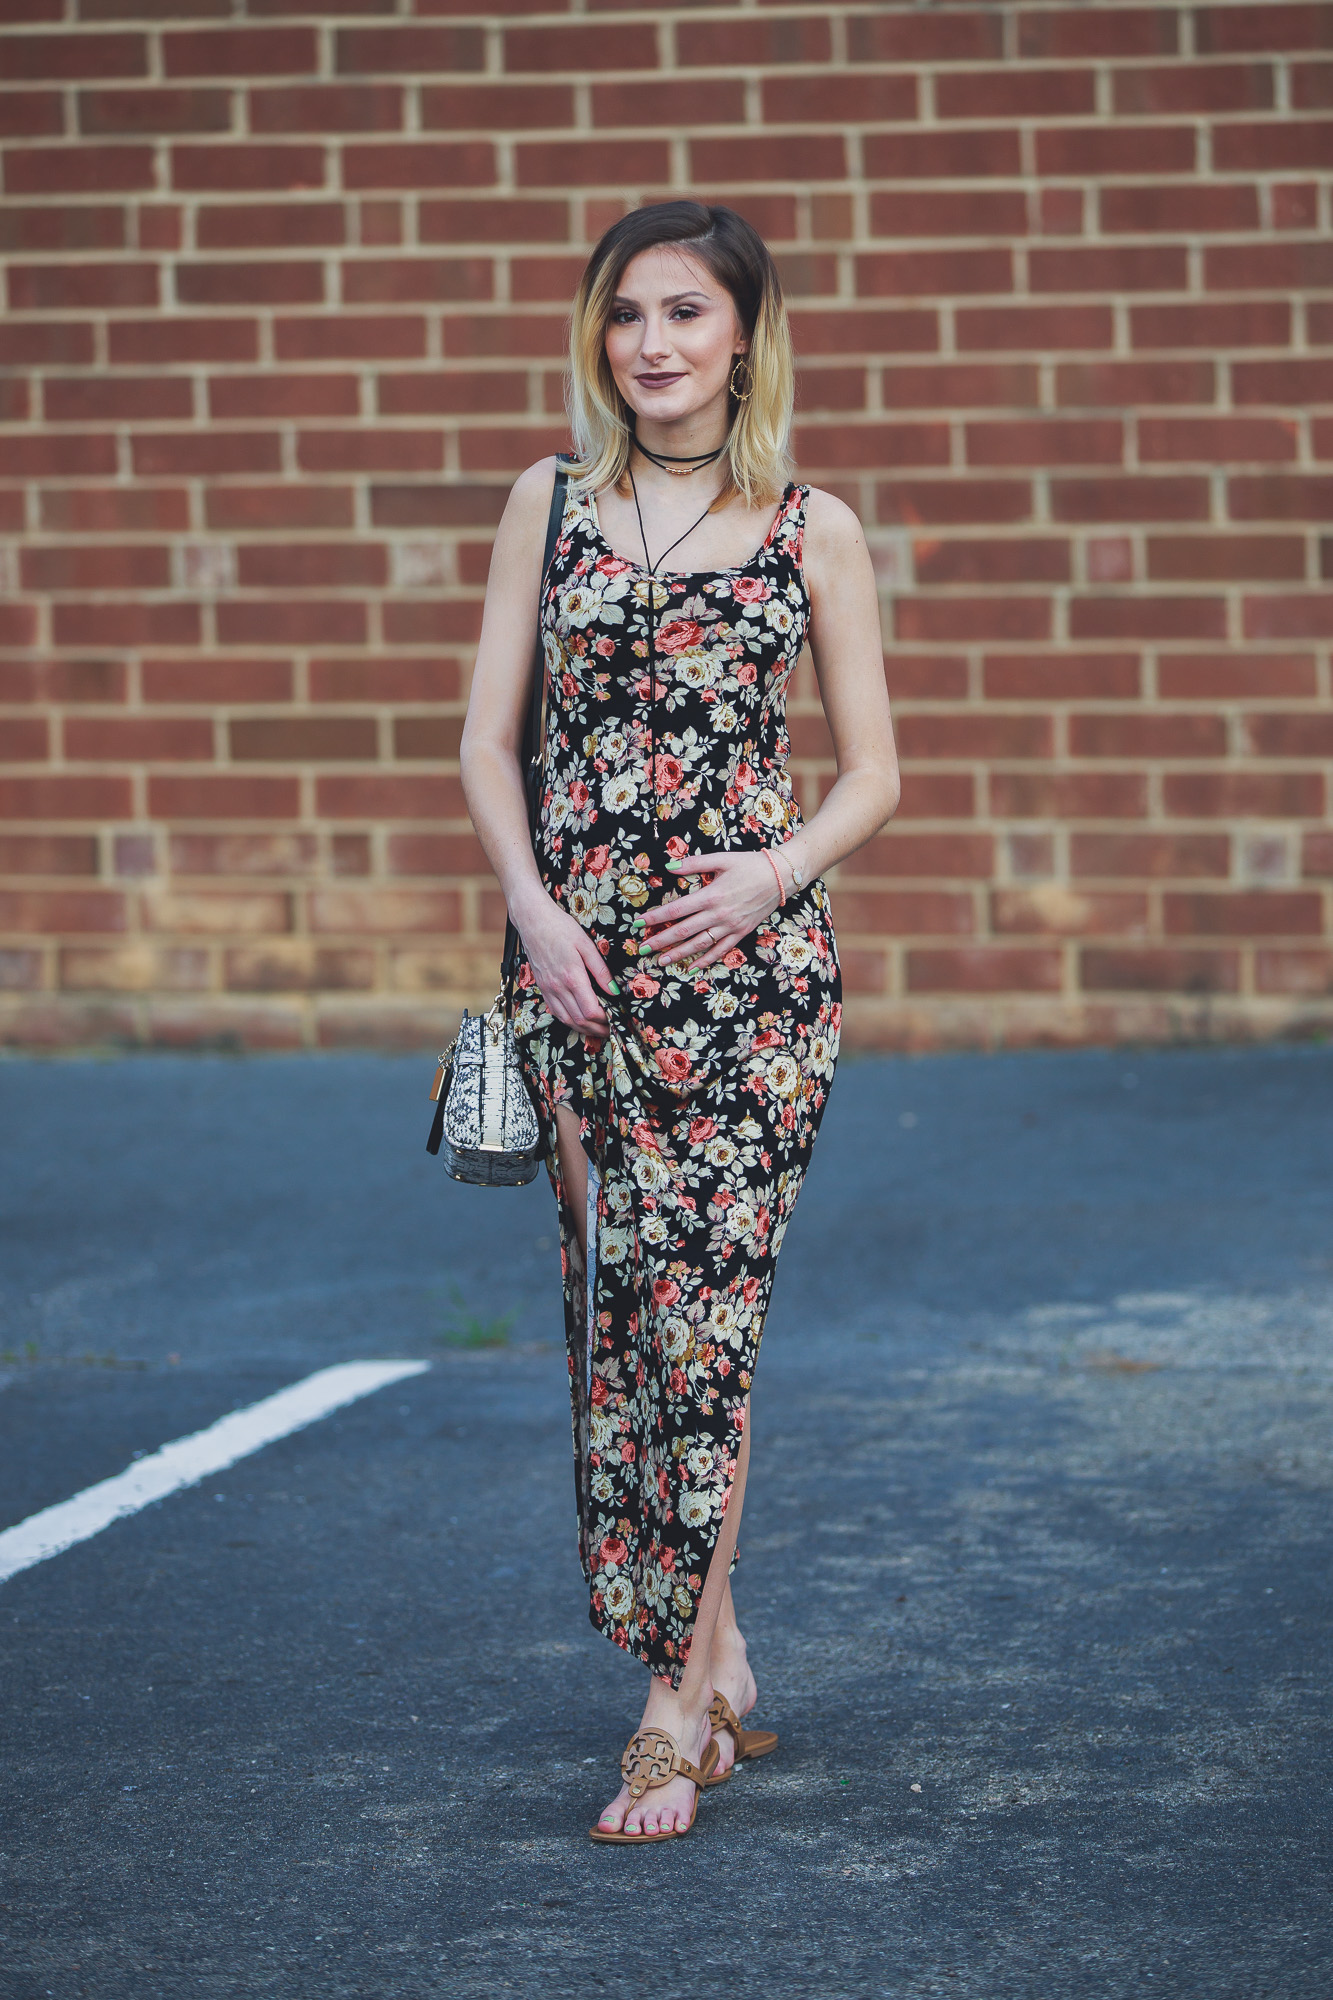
(462, 193)
(408, 134)
(1101, 69)
(354, 255)
(331, 187)
(1191, 241)
(832, 306)
(402, 136)
(721, 14)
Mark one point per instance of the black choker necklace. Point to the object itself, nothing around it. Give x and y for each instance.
(679, 468)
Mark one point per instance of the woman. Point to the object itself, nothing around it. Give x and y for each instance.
(679, 991)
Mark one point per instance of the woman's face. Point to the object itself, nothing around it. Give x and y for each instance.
(673, 336)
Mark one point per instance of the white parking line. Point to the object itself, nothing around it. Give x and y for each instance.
(193, 1458)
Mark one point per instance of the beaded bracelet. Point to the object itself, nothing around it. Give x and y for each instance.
(782, 887)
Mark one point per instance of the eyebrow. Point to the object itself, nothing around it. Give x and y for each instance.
(673, 298)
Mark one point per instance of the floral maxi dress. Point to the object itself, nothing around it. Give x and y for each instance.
(666, 736)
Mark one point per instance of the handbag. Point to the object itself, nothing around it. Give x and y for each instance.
(486, 1125)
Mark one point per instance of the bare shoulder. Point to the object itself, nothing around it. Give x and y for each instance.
(834, 537)
(530, 494)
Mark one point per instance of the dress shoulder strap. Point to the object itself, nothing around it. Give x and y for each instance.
(788, 531)
(578, 500)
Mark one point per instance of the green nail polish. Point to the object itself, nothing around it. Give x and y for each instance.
(615, 989)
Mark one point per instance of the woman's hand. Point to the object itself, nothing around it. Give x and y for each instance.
(737, 892)
(568, 967)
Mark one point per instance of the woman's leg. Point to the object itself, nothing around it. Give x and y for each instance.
(728, 1664)
(573, 1171)
(683, 1711)
(717, 1650)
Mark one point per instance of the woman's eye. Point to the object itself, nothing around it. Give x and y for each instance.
(686, 312)
(622, 316)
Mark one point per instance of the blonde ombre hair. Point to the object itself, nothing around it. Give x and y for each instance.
(758, 447)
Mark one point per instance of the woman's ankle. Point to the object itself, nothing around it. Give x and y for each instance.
(686, 1706)
(728, 1649)
(732, 1674)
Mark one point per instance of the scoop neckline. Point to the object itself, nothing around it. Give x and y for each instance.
(736, 569)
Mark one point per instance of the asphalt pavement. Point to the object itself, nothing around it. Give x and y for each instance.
(1036, 1554)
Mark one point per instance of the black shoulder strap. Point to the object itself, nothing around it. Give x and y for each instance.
(530, 756)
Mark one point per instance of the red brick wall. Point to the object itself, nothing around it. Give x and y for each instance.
(285, 289)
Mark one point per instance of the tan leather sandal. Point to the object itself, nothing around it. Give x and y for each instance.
(749, 1742)
(653, 1758)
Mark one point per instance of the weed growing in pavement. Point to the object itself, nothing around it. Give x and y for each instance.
(31, 1356)
(469, 1329)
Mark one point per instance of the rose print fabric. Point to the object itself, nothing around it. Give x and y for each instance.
(666, 736)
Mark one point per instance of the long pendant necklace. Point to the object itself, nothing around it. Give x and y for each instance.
(649, 564)
(652, 568)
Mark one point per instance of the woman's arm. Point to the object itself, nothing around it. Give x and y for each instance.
(849, 665)
(564, 958)
(848, 653)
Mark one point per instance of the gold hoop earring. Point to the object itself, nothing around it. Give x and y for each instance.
(741, 395)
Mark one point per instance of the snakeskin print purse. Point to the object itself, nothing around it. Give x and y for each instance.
(485, 1122)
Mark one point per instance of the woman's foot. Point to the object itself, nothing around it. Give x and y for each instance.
(732, 1678)
(670, 1807)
